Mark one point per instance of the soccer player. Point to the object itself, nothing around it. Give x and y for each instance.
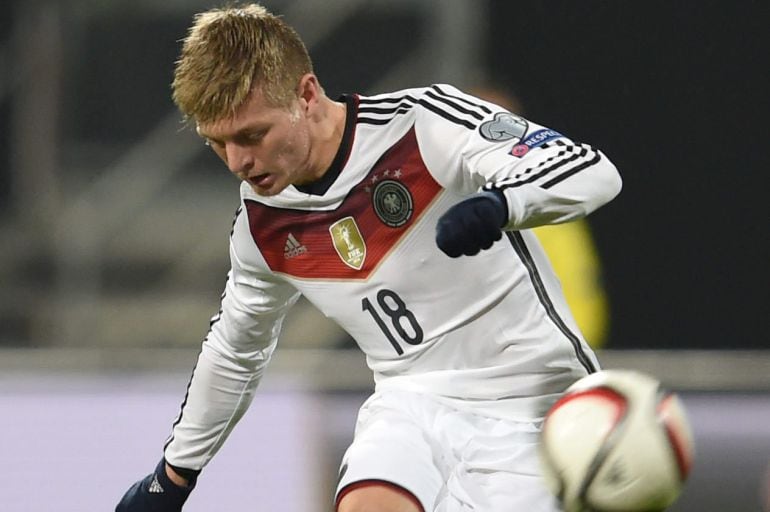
(405, 217)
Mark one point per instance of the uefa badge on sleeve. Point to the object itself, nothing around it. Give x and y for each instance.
(504, 127)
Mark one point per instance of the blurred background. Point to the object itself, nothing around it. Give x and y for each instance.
(114, 221)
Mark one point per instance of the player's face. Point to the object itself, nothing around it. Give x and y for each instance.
(268, 147)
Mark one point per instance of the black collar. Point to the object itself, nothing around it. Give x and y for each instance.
(319, 187)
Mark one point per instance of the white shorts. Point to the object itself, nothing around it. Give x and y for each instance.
(450, 460)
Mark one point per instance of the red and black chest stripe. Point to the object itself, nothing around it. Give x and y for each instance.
(350, 241)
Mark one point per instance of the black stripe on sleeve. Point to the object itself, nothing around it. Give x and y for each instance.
(214, 319)
(181, 409)
(567, 162)
(382, 120)
(384, 107)
(451, 107)
(384, 110)
(563, 176)
(371, 120)
(542, 171)
(446, 115)
(517, 241)
(455, 105)
(374, 100)
(235, 218)
(465, 100)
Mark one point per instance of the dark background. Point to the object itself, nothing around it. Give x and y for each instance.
(674, 93)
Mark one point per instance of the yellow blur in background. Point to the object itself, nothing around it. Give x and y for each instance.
(575, 259)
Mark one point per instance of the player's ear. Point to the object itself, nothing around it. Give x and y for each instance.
(308, 90)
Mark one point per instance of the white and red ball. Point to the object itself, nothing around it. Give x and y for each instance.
(616, 441)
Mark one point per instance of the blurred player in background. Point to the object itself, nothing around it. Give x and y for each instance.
(405, 217)
(570, 248)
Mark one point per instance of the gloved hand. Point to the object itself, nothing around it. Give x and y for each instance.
(472, 224)
(155, 493)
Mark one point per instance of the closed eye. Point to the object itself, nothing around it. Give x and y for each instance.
(251, 138)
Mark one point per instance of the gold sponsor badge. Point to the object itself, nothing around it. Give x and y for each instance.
(348, 242)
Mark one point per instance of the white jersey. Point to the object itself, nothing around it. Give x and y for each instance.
(491, 331)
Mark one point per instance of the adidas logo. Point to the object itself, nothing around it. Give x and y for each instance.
(293, 248)
(155, 486)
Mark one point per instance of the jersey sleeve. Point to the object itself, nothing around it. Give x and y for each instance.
(233, 356)
(546, 177)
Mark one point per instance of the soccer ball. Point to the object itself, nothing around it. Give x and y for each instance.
(616, 441)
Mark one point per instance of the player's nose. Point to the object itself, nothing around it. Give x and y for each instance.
(239, 160)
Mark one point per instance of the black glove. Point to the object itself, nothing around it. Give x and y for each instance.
(472, 224)
(155, 493)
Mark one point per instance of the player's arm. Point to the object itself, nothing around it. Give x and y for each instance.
(231, 363)
(555, 182)
(516, 173)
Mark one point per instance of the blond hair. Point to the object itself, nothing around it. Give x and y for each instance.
(230, 51)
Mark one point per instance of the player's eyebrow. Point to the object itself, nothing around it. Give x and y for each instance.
(240, 133)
